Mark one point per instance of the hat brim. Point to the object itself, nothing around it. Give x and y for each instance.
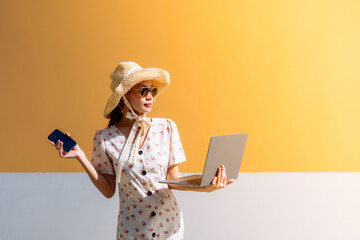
(156, 74)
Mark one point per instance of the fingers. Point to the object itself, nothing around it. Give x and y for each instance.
(61, 150)
(220, 180)
(220, 176)
(57, 146)
(213, 183)
(224, 177)
(230, 181)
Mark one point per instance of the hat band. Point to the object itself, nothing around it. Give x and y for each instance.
(130, 71)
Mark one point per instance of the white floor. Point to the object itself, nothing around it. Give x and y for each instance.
(65, 206)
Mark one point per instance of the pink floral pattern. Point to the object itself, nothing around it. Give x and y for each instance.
(148, 209)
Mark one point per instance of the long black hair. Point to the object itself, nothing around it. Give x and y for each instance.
(116, 115)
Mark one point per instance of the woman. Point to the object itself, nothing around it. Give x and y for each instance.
(135, 152)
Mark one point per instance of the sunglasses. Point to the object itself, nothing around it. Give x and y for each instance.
(143, 92)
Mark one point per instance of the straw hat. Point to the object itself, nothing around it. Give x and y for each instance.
(128, 74)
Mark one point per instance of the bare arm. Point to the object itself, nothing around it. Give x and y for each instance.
(218, 181)
(173, 173)
(104, 182)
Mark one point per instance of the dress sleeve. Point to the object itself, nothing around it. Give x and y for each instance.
(177, 154)
(100, 159)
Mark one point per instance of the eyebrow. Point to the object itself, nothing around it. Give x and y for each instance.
(145, 85)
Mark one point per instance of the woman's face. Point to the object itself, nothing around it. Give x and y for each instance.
(141, 104)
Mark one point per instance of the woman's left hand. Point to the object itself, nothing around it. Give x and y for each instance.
(219, 181)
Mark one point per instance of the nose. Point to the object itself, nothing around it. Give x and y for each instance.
(149, 96)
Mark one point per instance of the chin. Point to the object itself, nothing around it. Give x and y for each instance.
(147, 111)
(144, 111)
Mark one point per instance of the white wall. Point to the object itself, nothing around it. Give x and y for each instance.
(65, 206)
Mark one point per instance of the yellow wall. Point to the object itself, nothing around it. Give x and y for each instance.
(285, 72)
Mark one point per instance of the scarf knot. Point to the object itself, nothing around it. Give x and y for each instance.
(132, 143)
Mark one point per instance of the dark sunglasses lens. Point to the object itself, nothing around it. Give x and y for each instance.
(144, 92)
(154, 92)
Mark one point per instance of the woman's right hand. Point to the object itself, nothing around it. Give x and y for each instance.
(75, 152)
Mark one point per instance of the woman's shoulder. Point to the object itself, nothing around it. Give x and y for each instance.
(105, 131)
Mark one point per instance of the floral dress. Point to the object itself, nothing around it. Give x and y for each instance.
(148, 209)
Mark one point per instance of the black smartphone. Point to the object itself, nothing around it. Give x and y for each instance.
(68, 143)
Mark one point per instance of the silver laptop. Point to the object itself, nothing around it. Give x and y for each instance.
(226, 150)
